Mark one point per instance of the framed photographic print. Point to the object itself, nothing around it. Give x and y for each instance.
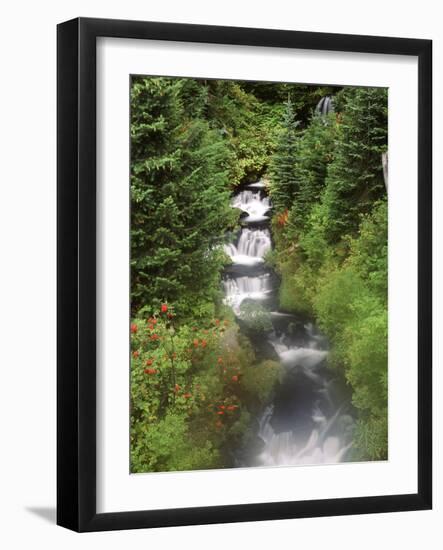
(244, 274)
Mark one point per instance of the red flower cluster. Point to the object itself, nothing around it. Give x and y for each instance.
(150, 371)
(164, 308)
(155, 337)
(149, 362)
(135, 354)
(234, 378)
(134, 328)
(282, 219)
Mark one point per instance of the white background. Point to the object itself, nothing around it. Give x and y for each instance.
(117, 490)
(27, 218)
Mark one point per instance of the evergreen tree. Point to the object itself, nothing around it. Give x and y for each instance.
(314, 152)
(284, 183)
(355, 178)
(179, 198)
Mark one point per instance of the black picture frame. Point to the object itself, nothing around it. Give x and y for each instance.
(76, 266)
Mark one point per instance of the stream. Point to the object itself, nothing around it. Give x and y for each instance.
(309, 419)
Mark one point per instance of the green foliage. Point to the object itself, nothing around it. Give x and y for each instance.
(186, 383)
(370, 437)
(304, 98)
(249, 126)
(260, 381)
(195, 381)
(179, 196)
(355, 177)
(255, 316)
(369, 252)
(315, 151)
(284, 183)
(331, 250)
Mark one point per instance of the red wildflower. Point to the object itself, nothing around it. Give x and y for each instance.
(149, 362)
(135, 354)
(282, 218)
(150, 371)
(221, 412)
(134, 328)
(221, 407)
(164, 308)
(154, 337)
(151, 327)
(234, 378)
(231, 407)
(187, 395)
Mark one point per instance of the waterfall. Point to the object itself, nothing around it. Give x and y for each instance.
(284, 448)
(305, 423)
(241, 288)
(325, 106)
(254, 243)
(257, 185)
(253, 204)
(251, 247)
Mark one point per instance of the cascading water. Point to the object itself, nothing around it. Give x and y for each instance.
(252, 204)
(251, 247)
(307, 422)
(241, 288)
(325, 106)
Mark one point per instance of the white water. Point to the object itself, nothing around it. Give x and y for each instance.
(251, 203)
(317, 436)
(284, 448)
(242, 288)
(251, 248)
(298, 356)
(258, 185)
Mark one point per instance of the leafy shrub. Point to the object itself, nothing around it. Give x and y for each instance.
(255, 316)
(259, 381)
(188, 396)
(331, 249)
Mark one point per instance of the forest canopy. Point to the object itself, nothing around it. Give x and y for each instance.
(197, 381)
